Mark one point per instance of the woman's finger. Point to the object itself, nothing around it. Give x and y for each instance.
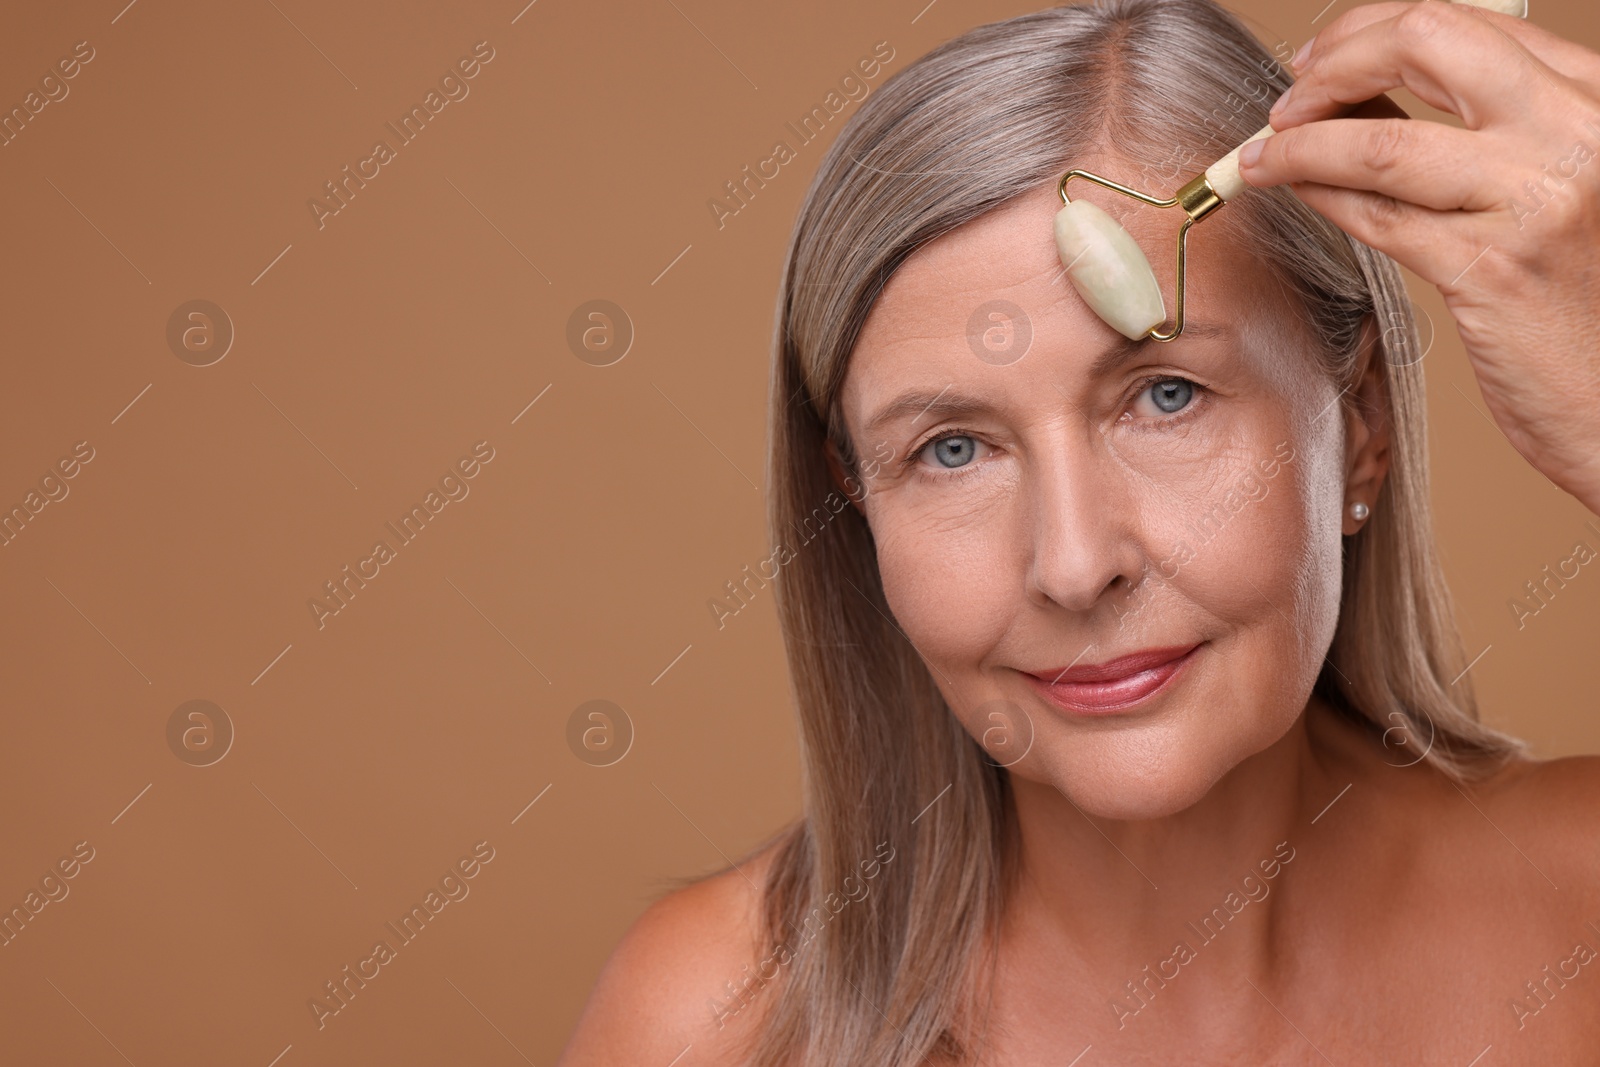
(1353, 21)
(1425, 49)
(1424, 163)
(1433, 245)
(1554, 51)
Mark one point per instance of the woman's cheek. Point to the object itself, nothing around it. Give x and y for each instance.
(942, 571)
(1248, 570)
(1265, 577)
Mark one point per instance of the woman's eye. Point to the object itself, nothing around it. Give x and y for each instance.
(1169, 395)
(956, 450)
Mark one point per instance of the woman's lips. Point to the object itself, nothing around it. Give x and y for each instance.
(1115, 685)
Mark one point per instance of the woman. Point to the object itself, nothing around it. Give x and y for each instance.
(1135, 722)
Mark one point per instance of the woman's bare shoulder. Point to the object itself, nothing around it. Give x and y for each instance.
(665, 987)
(1566, 787)
(1548, 810)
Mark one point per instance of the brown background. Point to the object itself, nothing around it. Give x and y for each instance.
(372, 753)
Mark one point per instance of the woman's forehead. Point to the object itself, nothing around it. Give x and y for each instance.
(1002, 273)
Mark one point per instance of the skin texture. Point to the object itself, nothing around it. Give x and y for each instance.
(1371, 910)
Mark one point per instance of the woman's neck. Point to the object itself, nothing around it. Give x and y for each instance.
(1212, 877)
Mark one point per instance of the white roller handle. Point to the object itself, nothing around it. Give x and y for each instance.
(1224, 173)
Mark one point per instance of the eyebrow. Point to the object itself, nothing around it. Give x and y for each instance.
(951, 403)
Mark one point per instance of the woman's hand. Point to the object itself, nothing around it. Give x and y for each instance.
(1503, 216)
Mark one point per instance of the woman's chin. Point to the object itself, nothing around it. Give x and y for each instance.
(1135, 805)
(1131, 790)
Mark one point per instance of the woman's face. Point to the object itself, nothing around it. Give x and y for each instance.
(1045, 495)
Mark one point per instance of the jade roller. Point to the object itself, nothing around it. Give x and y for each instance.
(1106, 265)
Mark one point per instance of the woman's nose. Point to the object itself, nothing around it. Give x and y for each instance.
(1080, 527)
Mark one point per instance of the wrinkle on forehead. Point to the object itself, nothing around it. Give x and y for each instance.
(1010, 253)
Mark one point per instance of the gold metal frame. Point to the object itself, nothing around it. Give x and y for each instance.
(1197, 198)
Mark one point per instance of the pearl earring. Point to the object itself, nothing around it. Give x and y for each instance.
(1359, 511)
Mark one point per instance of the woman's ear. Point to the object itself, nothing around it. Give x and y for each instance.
(1366, 429)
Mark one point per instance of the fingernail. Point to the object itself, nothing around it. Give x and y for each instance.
(1301, 56)
(1281, 103)
(1250, 153)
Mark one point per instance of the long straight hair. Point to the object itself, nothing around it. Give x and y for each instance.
(887, 768)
